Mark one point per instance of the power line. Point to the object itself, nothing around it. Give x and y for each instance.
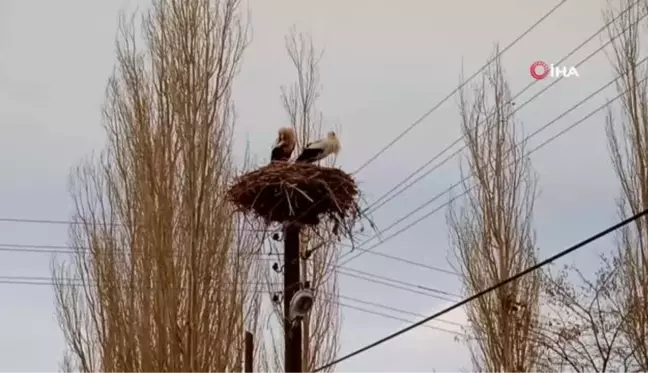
(8, 281)
(403, 260)
(398, 310)
(420, 207)
(391, 282)
(38, 221)
(430, 111)
(64, 249)
(379, 202)
(537, 266)
(406, 312)
(427, 294)
(332, 296)
(36, 280)
(8, 219)
(387, 282)
(426, 288)
(387, 316)
(46, 280)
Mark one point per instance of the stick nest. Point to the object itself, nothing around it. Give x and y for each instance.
(297, 192)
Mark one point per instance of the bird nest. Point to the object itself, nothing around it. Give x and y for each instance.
(297, 192)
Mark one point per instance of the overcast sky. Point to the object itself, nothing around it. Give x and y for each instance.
(385, 64)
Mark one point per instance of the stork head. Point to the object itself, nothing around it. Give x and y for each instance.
(333, 140)
(287, 134)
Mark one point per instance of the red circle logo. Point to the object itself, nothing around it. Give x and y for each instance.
(539, 70)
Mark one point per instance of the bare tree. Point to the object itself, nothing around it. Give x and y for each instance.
(628, 142)
(163, 269)
(582, 328)
(492, 232)
(321, 327)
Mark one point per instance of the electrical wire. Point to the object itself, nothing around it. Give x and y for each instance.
(37, 280)
(406, 312)
(37, 221)
(401, 260)
(377, 279)
(427, 294)
(421, 287)
(387, 316)
(394, 309)
(533, 268)
(63, 249)
(379, 202)
(8, 219)
(9, 280)
(48, 280)
(446, 98)
(427, 215)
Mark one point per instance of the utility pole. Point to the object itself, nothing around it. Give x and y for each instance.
(305, 352)
(292, 278)
(249, 352)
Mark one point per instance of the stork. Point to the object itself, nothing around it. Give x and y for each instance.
(284, 145)
(320, 149)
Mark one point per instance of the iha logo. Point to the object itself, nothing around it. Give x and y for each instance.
(540, 70)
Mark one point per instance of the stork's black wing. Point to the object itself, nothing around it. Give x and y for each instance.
(309, 155)
(277, 154)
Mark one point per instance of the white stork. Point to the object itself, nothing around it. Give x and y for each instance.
(320, 149)
(284, 145)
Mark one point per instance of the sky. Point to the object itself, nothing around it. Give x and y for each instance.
(384, 66)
